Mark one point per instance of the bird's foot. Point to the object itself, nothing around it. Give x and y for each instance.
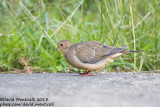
(89, 73)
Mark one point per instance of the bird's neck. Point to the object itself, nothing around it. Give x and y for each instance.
(65, 51)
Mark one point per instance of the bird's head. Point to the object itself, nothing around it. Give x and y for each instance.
(64, 45)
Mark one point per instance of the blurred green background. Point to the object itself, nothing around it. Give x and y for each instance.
(32, 28)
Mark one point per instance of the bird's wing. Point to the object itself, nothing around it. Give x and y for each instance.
(93, 52)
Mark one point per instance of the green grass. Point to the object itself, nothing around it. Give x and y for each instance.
(32, 29)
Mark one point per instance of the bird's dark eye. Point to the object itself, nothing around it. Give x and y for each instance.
(61, 44)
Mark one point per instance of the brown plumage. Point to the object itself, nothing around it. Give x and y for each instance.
(90, 55)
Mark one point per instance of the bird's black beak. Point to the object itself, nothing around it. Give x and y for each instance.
(56, 49)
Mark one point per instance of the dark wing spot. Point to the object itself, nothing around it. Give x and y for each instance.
(104, 46)
(94, 48)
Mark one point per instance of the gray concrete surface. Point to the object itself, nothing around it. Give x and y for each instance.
(71, 90)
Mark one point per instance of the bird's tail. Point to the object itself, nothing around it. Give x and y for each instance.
(136, 51)
(130, 51)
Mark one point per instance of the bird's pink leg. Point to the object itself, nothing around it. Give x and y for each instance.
(89, 73)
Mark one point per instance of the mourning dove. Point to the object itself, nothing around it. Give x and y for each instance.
(90, 55)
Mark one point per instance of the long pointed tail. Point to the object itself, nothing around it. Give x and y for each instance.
(130, 51)
(136, 51)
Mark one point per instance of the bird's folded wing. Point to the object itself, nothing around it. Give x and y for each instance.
(92, 52)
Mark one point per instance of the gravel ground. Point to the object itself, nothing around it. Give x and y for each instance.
(72, 90)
